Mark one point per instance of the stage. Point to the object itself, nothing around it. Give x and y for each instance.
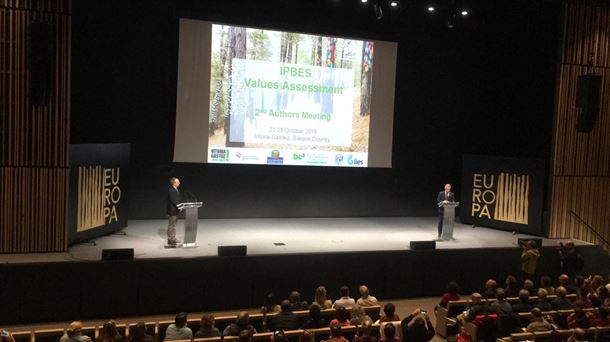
(328, 251)
(272, 236)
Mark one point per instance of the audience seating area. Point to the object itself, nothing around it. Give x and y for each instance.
(446, 317)
(157, 328)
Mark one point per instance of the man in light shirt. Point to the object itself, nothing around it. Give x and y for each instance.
(178, 330)
(365, 297)
(345, 301)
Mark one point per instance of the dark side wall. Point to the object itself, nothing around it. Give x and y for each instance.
(484, 87)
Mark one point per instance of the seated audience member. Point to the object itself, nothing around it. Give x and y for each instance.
(564, 280)
(452, 294)
(245, 336)
(421, 330)
(582, 301)
(529, 286)
(389, 314)
(178, 330)
(547, 284)
(578, 319)
(512, 287)
(363, 333)
(286, 319)
(523, 305)
(579, 282)
(139, 333)
(321, 299)
(538, 322)
(490, 289)
(278, 336)
(475, 308)
(341, 317)
(501, 306)
(307, 336)
(543, 302)
(335, 334)
(241, 323)
(74, 333)
(6, 336)
(602, 319)
(207, 328)
(315, 319)
(296, 304)
(365, 297)
(109, 333)
(561, 302)
(601, 295)
(357, 315)
(345, 301)
(578, 336)
(389, 333)
(270, 305)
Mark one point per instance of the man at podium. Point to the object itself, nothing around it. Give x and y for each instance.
(173, 199)
(445, 195)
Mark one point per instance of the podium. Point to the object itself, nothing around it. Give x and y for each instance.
(448, 219)
(191, 210)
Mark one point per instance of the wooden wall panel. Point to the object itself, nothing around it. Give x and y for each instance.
(34, 139)
(580, 194)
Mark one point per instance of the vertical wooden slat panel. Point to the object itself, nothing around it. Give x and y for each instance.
(34, 139)
(581, 161)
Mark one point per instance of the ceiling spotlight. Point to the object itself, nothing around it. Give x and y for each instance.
(464, 12)
(394, 3)
(363, 1)
(431, 9)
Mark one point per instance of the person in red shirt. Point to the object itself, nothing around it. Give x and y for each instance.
(453, 293)
(341, 317)
(602, 319)
(335, 334)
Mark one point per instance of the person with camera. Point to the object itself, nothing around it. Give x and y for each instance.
(571, 262)
(421, 330)
(529, 259)
(6, 336)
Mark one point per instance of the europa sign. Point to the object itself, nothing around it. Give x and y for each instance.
(99, 194)
(502, 197)
(503, 193)
(99, 175)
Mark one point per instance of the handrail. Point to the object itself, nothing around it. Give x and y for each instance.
(595, 232)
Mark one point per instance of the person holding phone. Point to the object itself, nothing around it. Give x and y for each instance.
(6, 336)
(421, 330)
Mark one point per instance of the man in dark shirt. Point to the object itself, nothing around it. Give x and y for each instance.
(286, 319)
(445, 195)
(565, 281)
(242, 323)
(173, 199)
(501, 306)
(490, 289)
(296, 304)
(571, 261)
(523, 305)
(477, 307)
(561, 302)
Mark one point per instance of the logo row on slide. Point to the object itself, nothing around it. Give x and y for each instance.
(264, 156)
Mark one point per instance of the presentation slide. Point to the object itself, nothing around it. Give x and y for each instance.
(278, 98)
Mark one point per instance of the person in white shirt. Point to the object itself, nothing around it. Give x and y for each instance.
(179, 330)
(365, 298)
(345, 301)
